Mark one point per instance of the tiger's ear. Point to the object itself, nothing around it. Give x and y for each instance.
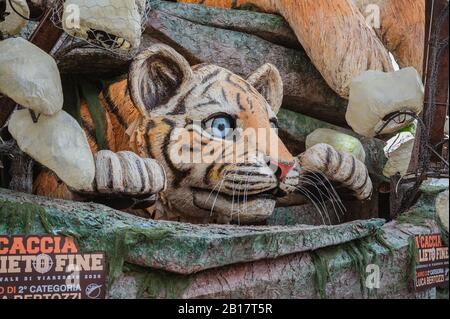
(268, 82)
(156, 75)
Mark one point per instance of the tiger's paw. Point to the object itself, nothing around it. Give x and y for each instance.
(125, 174)
(339, 167)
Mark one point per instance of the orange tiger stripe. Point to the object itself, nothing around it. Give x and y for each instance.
(122, 112)
(49, 185)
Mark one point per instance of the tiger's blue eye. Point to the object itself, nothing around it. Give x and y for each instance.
(220, 126)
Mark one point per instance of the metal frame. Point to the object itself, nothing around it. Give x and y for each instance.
(430, 153)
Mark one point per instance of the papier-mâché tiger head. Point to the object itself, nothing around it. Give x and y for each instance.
(207, 112)
(190, 113)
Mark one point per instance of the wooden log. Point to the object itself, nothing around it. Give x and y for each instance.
(399, 24)
(436, 77)
(292, 276)
(334, 34)
(442, 214)
(200, 38)
(305, 89)
(295, 275)
(270, 27)
(295, 127)
(269, 254)
(21, 172)
(170, 246)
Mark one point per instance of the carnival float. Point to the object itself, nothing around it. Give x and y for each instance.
(92, 91)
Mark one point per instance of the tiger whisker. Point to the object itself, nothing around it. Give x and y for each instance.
(321, 177)
(314, 178)
(247, 186)
(314, 197)
(309, 181)
(331, 190)
(217, 184)
(232, 201)
(313, 202)
(322, 203)
(218, 191)
(323, 196)
(217, 196)
(239, 206)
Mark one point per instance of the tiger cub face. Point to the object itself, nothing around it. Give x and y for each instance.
(215, 134)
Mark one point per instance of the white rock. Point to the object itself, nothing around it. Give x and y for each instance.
(398, 150)
(340, 142)
(30, 76)
(442, 209)
(446, 126)
(120, 18)
(57, 142)
(14, 23)
(375, 94)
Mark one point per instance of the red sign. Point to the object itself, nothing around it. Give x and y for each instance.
(432, 262)
(49, 267)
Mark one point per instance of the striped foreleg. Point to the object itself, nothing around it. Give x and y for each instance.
(339, 167)
(126, 174)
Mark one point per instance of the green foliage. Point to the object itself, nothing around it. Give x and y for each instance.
(411, 128)
(360, 259)
(90, 91)
(322, 274)
(161, 284)
(76, 89)
(19, 217)
(125, 238)
(412, 261)
(361, 252)
(424, 210)
(71, 95)
(158, 283)
(414, 217)
(380, 239)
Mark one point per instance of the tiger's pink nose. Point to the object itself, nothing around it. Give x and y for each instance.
(282, 170)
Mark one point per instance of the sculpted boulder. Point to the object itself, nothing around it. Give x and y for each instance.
(30, 76)
(112, 23)
(374, 95)
(398, 151)
(340, 142)
(13, 22)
